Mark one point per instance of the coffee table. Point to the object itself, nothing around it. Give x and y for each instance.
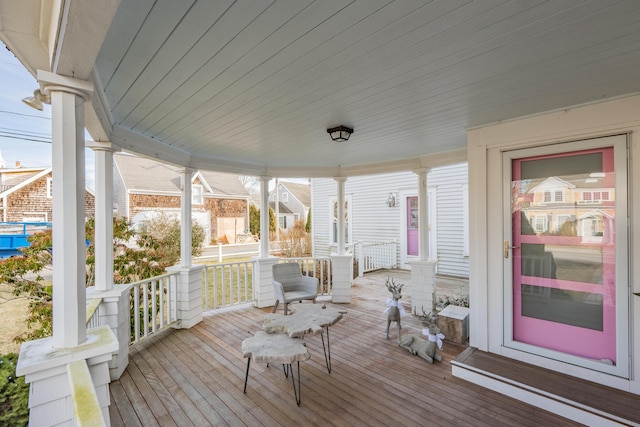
(306, 319)
(276, 348)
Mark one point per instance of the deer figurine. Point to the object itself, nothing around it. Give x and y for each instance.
(425, 348)
(394, 307)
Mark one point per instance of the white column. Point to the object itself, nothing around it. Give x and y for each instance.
(103, 214)
(185, 219)
(264, 216)
(277, 210)
(423, 214)
(67, 120)
(423, 272)
(341, 223)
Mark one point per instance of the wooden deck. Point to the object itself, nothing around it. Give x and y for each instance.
(196, 376)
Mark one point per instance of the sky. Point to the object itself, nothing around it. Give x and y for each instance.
(25, 133)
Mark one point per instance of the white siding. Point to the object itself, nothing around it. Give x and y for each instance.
(374, 221)
(449, 183)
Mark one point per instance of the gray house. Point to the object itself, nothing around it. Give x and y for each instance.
(384, 208)
(294, 202)
(143, 187)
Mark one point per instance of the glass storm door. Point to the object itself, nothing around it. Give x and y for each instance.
(565, 293)
(412, 227)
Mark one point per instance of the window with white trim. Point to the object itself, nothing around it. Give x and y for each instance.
(284, 197)
(49, 187)
(333, 216)
(197, 194)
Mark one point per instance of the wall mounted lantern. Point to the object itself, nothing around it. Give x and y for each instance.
(392, 200)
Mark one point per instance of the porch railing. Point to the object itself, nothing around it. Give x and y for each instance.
(153, 305)
(376, 255)
(93, 320)
(227, 284)
(316, 267)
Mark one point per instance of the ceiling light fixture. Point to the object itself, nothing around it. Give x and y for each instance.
(37, 99)
(340, 133)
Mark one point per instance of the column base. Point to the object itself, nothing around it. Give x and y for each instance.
(45, 369)
(342, 270)
(423, 285)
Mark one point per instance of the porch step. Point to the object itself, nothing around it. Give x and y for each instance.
(570, 397)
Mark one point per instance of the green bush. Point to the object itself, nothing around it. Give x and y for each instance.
(14, 393)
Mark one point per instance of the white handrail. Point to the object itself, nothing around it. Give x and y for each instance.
(376, 255)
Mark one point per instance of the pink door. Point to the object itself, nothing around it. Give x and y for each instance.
(412, 226)
(564, 282)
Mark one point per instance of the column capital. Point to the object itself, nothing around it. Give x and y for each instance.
(51, 82)
(103, 146)
(340, 178)
(420, 171)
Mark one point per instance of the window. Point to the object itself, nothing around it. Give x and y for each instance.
(547, 196)
(49, 187)
(539, 223)
(284, 197)
(333, 203)
(197, 194)
(559, 196)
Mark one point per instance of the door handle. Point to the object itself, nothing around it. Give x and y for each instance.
(507, 247)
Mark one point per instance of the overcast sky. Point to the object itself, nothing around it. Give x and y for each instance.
(25, 133)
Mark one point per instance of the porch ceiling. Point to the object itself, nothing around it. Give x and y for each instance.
(251, 86)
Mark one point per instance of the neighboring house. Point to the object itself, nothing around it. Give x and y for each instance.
(142, 187)
(384, 208)
(26, 195)
(294, 202)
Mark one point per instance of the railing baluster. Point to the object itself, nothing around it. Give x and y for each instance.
(136, 312)
(162, 287)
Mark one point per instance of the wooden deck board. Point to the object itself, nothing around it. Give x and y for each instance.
(606, 399)
(196, 377)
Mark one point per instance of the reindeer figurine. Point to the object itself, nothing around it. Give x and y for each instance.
(394, 307)
(425, 348)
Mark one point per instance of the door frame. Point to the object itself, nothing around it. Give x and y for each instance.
(405, 259)
(622, 293)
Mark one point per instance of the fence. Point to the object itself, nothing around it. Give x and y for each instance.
(374, 256)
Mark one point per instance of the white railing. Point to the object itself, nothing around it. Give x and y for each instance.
(316, 267)
(375, 256)
(224, 285)
(153, 305)
(93, 320)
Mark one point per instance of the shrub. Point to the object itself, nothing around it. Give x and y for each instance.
(14, 393)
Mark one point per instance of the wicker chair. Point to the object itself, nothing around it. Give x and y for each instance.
(290, 285)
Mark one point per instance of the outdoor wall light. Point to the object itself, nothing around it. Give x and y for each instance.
(392, 200)
(37, 99)
(340, 133)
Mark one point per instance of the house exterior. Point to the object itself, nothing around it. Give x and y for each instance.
(522, 91)
(26, 195)
(552, 277)
(294, 202)
(383, 208)
(143, 187)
